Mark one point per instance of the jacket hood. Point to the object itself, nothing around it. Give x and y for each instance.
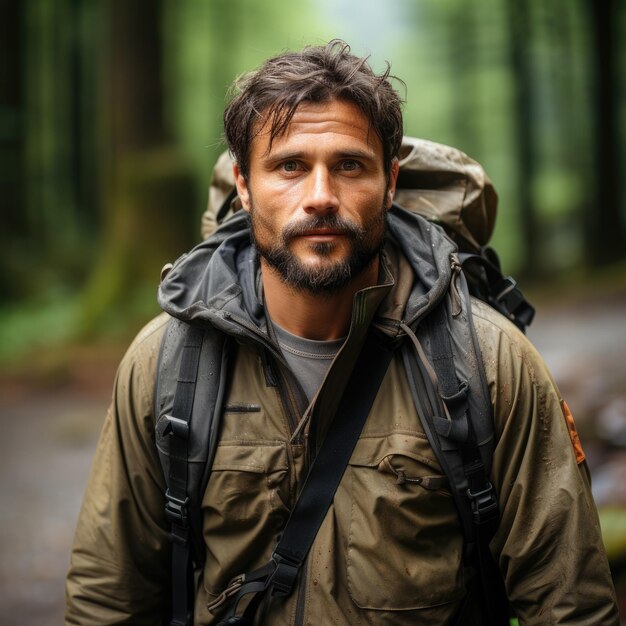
(218, 279)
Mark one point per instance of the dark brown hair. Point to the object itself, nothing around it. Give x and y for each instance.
(273, 92)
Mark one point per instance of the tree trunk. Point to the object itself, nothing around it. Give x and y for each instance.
(520, 55)
(149, 217)
(14, 231)
(605, 224)
(462, 63)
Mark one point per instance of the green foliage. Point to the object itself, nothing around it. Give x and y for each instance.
(613, 524)
(151, 223)
(37, 324)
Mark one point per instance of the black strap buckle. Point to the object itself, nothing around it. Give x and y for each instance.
(508, 294)
(284, 576)
(176, 509)
(507, 297)
(176, 427)
(484, 504)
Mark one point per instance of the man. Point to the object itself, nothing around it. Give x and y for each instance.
(315, 136)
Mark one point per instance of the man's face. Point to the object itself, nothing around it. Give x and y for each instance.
(317, 199)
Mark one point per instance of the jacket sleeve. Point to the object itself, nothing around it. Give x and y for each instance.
(120, 563)
(548, 543)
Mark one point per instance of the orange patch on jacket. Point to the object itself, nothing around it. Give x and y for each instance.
(573, 433)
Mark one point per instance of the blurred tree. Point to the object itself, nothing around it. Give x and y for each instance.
(149, 217)
(464, 33)
(203, 43)
(50, 51)
(560, 190)
(606, 228)
(14, 227)
(45, 224)
(520, 38)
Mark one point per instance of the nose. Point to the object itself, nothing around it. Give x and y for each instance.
(320, 196)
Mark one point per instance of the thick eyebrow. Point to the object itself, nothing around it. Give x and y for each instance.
(286, 155)
(366, 155)
(276, 157)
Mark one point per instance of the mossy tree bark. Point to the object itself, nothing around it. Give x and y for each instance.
(149, 217)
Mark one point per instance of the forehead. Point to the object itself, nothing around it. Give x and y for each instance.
(314, 123)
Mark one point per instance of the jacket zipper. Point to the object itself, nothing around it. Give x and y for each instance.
(291, 407)
(285, 389)
(299, 617)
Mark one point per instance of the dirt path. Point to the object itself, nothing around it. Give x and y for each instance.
(45, 454)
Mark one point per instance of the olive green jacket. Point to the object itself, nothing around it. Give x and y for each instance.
(390, 548)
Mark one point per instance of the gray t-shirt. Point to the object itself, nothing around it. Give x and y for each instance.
(308, 359)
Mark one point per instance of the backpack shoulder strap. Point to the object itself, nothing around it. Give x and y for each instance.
(188, 419)
(457, 417)
(480, 514)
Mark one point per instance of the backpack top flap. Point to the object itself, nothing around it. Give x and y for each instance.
(439, 182)
(445, 186)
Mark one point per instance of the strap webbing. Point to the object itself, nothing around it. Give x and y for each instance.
(176, 496)
(480, 492)
(280, 574)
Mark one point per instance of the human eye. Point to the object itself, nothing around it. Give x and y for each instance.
(349, 165)
(289, 167)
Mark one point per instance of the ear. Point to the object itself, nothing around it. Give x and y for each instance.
(242, 187)
(393, 179)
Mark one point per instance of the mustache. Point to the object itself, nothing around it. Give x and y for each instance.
(334, 222)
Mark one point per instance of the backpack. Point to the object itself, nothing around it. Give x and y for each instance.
(449, 189)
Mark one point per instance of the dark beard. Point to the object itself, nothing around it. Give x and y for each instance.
(332, 277)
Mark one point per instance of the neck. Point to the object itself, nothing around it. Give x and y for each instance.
(323, 316)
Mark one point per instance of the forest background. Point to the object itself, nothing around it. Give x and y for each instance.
(110, 123)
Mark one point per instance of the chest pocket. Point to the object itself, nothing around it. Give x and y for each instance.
(405, 542)
(243, 509)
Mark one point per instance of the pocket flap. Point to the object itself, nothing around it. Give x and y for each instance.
(370, 451)
(259, 458)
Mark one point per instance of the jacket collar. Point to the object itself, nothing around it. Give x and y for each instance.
(216, 282)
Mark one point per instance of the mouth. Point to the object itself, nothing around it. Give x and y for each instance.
(322, 234)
